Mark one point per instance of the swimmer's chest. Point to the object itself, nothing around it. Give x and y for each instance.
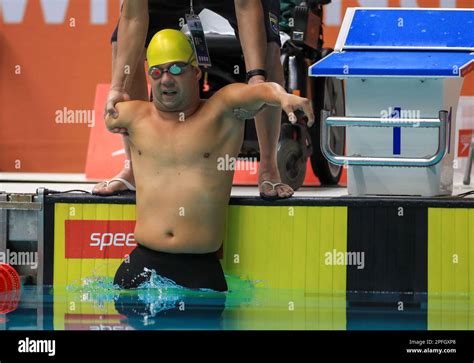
(198, 140)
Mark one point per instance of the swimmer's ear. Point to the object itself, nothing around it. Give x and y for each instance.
(198, 72)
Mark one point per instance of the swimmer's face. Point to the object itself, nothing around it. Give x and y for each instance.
(175, 93)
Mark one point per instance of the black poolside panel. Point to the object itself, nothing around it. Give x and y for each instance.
(395, 249)
(395, 275)
(420, 229)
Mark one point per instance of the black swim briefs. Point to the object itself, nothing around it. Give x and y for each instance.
(189, 270)
(165, 14)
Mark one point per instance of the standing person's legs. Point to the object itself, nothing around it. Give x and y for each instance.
(268, 121)
(138, 91)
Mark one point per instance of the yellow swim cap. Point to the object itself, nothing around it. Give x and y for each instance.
(170, 45)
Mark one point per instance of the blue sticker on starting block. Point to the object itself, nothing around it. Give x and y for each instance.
(397, 140)
(408, 28)
(397, 132)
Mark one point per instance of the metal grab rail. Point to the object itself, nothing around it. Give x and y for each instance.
(328, 122)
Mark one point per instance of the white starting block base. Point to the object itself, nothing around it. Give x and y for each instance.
(416, 98)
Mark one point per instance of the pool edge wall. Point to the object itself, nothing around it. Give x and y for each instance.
(415, 249)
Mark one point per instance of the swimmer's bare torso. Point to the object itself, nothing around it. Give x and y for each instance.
(182, 195)
(182, 189)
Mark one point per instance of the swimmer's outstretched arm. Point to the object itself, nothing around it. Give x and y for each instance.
(251, 99)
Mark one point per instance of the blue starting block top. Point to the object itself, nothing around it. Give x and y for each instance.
(394, 42)
(430, 29)
(394, 63)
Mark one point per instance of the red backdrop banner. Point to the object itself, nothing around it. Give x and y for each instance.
(53, 56)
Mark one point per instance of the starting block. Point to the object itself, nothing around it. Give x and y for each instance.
(403, 72)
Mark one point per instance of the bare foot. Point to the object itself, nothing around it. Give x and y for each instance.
(270, 185)
(116, 185)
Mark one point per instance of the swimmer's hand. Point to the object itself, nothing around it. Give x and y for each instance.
(109, 121)
(115, 96)
(127, 112)
(291, 103)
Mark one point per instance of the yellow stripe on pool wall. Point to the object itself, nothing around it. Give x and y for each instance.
(73, 270)
(450, 268)
(339, 286)
(285, 248)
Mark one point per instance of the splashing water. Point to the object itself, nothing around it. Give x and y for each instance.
(102, 284)
(157, 281)
(159, 294)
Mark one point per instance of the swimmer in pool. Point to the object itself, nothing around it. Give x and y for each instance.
(178, 143)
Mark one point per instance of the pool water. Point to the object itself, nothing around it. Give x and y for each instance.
(95, 304)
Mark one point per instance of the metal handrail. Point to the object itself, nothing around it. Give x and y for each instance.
(328, 122)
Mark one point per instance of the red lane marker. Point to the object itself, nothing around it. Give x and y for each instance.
(10, 286)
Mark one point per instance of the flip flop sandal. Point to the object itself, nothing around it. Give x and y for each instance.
(129, 186)
(272, 197)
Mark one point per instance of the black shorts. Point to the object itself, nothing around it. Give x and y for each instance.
(194, 271)
(165, 14)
